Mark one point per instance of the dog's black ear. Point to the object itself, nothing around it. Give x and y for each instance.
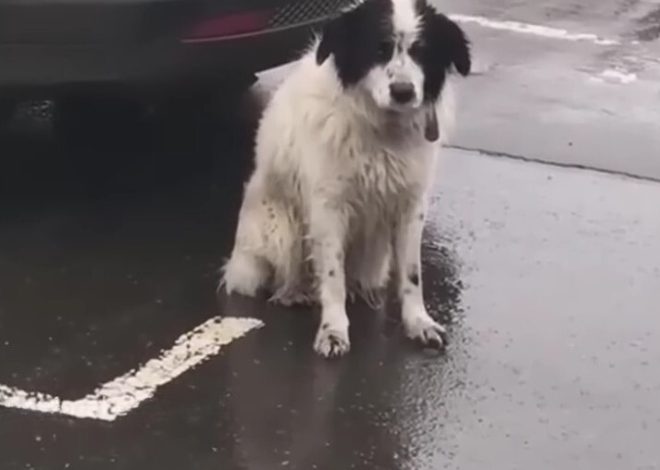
(450, 38)
(459, 46)
(354, 38)
(332, 39)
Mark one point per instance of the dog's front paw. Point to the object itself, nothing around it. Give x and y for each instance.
(332, 342)
(426, 331)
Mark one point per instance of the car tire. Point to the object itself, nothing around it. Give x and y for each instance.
(99, 120)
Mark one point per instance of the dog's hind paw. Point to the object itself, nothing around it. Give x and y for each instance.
(426, 331)
(290, 297)
(244, 274)
(374, 298)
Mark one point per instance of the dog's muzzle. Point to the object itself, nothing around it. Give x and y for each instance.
(402, 92)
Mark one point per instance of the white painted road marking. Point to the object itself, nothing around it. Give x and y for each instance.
(123, 394)
(615, 76)
(534, 29)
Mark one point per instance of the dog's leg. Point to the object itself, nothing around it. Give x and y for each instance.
(368, 265)
(408, 242)
(327, 231)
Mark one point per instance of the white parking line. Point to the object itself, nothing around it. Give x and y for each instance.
(534, 29)
(616, 76)
(123, 394)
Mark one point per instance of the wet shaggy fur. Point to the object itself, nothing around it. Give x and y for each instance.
(345, 153)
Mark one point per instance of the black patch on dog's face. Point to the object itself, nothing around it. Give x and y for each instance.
(442, 45)
(358, 40)
(363, 37)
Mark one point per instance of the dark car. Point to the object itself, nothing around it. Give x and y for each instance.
(79, 51)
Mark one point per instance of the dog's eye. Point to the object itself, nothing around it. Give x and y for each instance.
(385, 49)
(416, 49)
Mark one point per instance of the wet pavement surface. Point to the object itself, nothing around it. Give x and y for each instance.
(572, 102)
(549, 278)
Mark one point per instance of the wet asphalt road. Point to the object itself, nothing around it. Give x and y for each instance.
(569, 102)
(549, 277)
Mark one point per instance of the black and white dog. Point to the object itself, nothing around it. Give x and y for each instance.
(345, 155)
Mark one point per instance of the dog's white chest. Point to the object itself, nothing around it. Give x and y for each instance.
(381, 180)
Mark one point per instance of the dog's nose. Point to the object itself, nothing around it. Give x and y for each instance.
(402, 92)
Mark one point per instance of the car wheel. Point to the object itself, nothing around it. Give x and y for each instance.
(101, 120)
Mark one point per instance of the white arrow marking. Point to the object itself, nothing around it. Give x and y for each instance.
(123, 394)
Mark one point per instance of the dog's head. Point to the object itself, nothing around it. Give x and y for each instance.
(398, 51)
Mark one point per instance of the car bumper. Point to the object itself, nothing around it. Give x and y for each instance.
(163, 63)
(47, 44)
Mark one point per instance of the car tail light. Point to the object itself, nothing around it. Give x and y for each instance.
(231, 24)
